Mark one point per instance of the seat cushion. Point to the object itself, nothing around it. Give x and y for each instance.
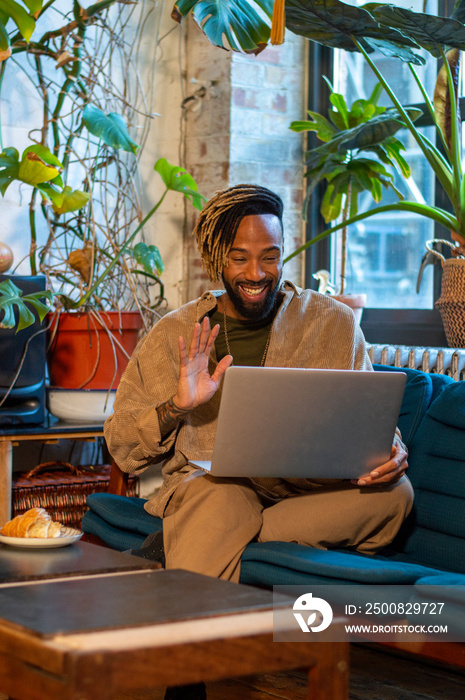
(288, 563)
(123, 524)
(120, 521)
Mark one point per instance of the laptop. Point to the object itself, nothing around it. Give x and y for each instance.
(310, 423)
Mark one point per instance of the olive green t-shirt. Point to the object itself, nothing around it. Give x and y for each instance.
(247, 339)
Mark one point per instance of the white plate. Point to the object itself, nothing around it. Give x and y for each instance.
(69, 536)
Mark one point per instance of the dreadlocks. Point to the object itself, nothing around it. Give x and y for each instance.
(218, 222)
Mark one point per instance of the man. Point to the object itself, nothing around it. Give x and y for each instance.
(167, 402)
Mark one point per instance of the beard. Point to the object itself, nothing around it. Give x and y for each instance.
(253, 311)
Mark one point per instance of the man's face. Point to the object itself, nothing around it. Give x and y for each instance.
(255, 268)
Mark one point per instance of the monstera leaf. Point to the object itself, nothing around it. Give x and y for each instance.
(11, 297)
(111, 128)
(237, 21)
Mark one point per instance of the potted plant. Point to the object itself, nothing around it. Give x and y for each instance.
(84, 211)
(401, 33)
(349, 135)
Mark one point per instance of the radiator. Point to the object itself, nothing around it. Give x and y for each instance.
(450, 361)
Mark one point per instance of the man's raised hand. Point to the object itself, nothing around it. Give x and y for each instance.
(196, 385)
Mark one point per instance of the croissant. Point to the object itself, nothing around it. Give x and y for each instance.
(35, 522)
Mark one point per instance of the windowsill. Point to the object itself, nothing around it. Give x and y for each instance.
(421, 327)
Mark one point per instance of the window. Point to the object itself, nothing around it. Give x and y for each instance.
(385, 251)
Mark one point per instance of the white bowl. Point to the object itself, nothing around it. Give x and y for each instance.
(81, 405)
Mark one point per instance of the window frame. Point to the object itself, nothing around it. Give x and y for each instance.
(400, 326)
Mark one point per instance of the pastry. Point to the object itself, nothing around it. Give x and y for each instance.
(35, 522)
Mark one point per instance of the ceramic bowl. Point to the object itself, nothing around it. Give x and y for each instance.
(80, 405)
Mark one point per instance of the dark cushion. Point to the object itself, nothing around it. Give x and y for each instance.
(114, 537)
(434, 533)
(288, 563)
(264, 563)
(417, 398)
(120, 521)
(125, 512)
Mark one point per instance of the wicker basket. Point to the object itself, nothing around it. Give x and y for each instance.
(451, 303)
(62, 490)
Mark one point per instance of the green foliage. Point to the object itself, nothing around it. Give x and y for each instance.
(178, 180)
(149, 257)
(236, 21)
(12, 11)
(11, 297)
(347, 134)
(175, 179)
(39, 168)
(111, 128)
(400, 33)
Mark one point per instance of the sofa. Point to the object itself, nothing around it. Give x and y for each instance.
(428, 551)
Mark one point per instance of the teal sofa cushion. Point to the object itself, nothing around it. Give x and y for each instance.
(434, 533)
(417, 398)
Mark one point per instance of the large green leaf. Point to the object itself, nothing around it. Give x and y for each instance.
(334, 23)
(363, 136)
(72, 200)
(376, 130)
(11, 297)
(428, 31)
(236, 22)
(149, 257)
(21, 17)
(177, 179)
(36, 166)
(111, 128)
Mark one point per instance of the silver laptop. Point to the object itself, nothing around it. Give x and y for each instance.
(282, 422)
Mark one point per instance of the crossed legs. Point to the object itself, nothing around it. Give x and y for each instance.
(209, 522)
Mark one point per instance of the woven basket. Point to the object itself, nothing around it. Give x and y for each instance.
(62, 490)
(451, 303)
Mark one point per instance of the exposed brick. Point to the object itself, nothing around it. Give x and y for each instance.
(247, 74)
(279, 103)
(272, 54)
(244, 98)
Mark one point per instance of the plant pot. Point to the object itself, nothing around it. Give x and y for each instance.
(89, 350)
(451, 303)
(357, 303)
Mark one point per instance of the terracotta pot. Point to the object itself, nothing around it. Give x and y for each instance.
(357, 303)
(85, 354)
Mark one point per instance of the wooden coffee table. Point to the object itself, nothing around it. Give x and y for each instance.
(90, 638)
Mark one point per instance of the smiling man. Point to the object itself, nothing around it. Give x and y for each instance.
(167, 403)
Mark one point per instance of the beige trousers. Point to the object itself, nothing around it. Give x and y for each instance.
(209, 521)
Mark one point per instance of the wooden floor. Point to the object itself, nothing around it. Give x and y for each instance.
(374, 675)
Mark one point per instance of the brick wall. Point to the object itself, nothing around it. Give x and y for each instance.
(237, 115)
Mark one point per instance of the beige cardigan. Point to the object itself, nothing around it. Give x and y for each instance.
(309, 330)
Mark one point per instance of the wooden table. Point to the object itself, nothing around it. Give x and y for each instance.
(21, 565)
(51, 431)
(142, 630)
